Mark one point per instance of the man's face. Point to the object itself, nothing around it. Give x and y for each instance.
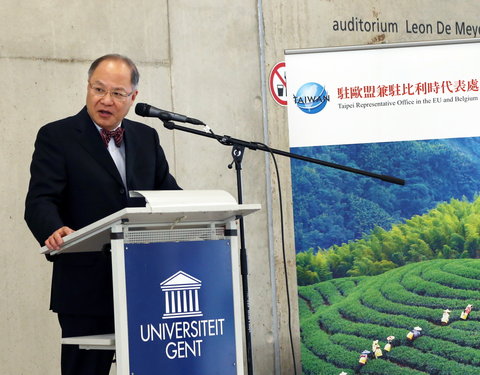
(108, 111)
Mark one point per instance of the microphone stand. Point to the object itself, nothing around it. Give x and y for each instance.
(237, 153)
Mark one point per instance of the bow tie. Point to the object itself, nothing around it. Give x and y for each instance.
(116, 134)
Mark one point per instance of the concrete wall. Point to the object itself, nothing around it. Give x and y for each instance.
(208, 59)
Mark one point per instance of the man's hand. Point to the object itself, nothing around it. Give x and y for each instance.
(55, 240)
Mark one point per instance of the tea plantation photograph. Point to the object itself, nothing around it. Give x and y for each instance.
(340, 318)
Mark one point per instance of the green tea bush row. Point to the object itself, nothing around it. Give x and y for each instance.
(461, 269)
(375, 300)
(452, 351)
(467, 325)
(312, 365)
(395, 292)
(345, 285)
(381, 367)
(464, 338)
(356, 312)
(471, 263)
(304, 309)
(419, 286)
(431, 364)
(331, 321)
(317, 341)
(329, 292)
(451, 280)
(312, 296)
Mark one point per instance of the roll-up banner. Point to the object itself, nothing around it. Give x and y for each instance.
(376, 260)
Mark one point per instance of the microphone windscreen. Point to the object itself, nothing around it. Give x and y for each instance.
(142, 109)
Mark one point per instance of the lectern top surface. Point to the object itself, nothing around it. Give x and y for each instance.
(163, 207)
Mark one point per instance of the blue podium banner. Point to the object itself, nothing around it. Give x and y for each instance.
(180, 308)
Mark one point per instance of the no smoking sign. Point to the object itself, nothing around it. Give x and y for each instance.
(278, 83)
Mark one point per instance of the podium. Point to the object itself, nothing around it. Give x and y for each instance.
(176, 279)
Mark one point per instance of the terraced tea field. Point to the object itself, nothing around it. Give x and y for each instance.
(340, 318)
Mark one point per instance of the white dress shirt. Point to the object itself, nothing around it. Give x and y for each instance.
(118, 156)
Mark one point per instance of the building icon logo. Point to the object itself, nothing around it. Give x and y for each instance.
(181, 296)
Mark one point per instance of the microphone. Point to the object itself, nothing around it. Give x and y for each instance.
(145, 110)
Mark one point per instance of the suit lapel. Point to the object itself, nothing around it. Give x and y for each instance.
(131, 143)
(91, 141)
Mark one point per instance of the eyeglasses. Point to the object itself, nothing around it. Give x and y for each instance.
(119, 96)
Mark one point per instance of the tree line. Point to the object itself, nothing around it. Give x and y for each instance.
(333, 207)
(451, 230)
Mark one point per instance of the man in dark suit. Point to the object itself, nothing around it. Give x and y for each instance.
(82, 169)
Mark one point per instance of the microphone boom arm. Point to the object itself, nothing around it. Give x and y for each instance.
(229, 141)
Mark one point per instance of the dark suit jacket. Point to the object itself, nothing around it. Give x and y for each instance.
(74, 182)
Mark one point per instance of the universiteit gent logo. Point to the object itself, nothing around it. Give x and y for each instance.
(311, 97)
(181, 296)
